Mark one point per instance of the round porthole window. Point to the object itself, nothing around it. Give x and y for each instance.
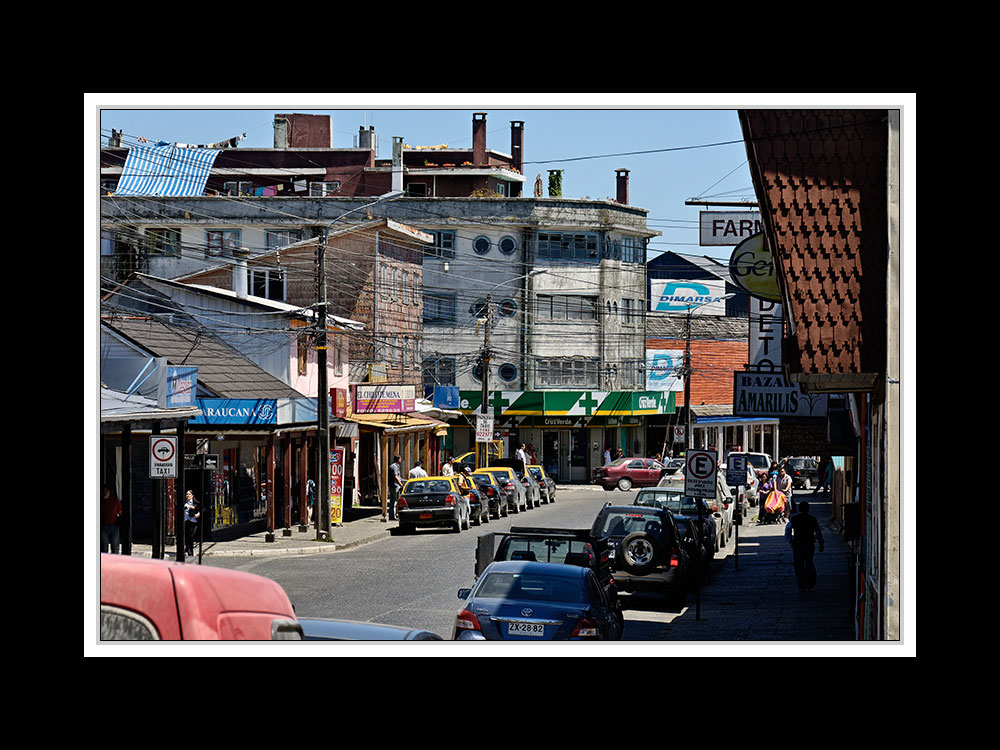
(478, 308)
(507, 372)
(481, 245)
(507, 245)
(477, 373)
(507, 307)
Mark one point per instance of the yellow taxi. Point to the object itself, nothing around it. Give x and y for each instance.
(545, 482)
(510, 485)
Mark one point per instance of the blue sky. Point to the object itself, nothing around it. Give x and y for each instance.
(675, 150)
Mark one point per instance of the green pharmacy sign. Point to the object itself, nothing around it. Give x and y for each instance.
(571, 403)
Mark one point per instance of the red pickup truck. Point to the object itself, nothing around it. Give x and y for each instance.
(145, 600)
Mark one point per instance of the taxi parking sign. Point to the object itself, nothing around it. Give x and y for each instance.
(700, 473)
(162, 457)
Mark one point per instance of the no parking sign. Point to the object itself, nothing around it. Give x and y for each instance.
(700, 475)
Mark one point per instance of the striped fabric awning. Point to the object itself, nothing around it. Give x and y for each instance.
(166, 170)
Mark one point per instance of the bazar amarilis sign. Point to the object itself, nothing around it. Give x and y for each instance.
(237, 411)
(763, 394)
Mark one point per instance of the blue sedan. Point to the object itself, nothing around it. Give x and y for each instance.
(517, 600)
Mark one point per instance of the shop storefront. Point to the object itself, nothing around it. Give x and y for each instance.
(566, 431)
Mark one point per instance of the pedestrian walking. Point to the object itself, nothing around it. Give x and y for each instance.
(784, 485)
(395, 485)
(607, 455)
(825, 476)
(803, 533)
(311, 497)
(111, 511)
(417, 471)
(449, 467)
(191, 515)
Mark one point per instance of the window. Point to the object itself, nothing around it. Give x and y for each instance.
(219, 240)
(119, 624)
(444, 244)
(439, 308)
(507, 372)
(268, 283)
(507, 245)
(319, 189)
(481, 245)
(237, 188)
(629, 311)
(416, 189)
(569, 245)
(280, 237)
(163, 241)
(507, 307)
(573, 372)
(415, 289)
(438, 371)
(633, 249)
(574, 307)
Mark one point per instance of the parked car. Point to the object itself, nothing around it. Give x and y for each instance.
(533, 493)
(516, 495)
(804, 472)
(724, 503)
(479, 507)
(533, 601)
(546, 483)
(433, 501)
(495, 497)
(469, 459)
(626, 473)
(160, 600)
(647, 552)
(674, 500)
(673, 465)
(317, 629)
(553, 545)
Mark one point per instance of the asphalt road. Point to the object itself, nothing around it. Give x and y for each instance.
(413, 580)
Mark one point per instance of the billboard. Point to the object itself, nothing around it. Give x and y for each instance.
(728, 227)
(663, 369)
(678, 296)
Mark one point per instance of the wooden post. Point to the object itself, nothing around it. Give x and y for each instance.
(303, 476)
(384, 478)
(287, 471)
(269, 486)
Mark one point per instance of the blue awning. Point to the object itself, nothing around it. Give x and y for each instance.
(166, 170)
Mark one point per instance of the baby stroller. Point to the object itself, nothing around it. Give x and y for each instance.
(774, 508)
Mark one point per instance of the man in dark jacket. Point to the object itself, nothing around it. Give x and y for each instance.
(802, 533)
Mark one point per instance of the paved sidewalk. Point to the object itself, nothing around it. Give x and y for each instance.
(361, 526)
(760, 601)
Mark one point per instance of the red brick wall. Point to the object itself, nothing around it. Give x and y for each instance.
(712, 366)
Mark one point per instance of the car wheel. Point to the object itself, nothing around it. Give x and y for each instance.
(624, 484)
(467, 520)
(639, 553)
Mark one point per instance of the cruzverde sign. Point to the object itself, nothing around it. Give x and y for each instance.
(571, 403)
(751, 267)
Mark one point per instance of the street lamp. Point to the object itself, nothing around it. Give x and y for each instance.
(322, 402)
(485, 356)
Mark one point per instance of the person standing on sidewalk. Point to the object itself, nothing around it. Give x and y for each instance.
(784, 485)
(802, 532)
(191, 516)
(111, 511)
(417, 472)
(395, 485)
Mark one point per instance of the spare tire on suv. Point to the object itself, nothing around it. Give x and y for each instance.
(639, 552)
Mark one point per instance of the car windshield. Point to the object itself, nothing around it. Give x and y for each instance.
(618, 461)
(623, 522)
(532, 588)
(426, 486)
(536, 473)
(482, 479)
(800, 463)
(675, 502)
(758, 462)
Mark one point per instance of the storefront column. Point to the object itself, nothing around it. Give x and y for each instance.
(303, 477)
(268, 480)
(287, 471)
(384, 475)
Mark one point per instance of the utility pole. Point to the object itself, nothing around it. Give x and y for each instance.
(484, 448)
(322, 406)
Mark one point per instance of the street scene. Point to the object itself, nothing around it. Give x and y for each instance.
(356, 389)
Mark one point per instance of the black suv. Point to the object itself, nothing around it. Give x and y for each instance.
(566, 546)
(648, 555)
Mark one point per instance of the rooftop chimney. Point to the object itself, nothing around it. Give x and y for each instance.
(517, 153)
(397, 163)
(240, 255)
(303, 131)
(478, 138)
(622, 196)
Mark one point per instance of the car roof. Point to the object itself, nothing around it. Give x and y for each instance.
(425, 479)
(633, 509)
(505, 469)
(527, 567)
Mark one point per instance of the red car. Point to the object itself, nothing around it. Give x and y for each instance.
(144, 600)
(626, 473)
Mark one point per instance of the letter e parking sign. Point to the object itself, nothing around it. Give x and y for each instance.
(700, 474)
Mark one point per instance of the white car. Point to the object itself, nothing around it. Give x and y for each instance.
(723, 504)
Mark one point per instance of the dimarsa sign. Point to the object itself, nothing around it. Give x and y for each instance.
(762, 394)
(678, 296)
